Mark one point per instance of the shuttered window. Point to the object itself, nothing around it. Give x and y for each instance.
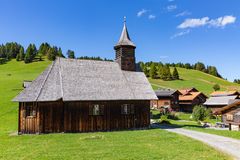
(96, 109)
(127, 109)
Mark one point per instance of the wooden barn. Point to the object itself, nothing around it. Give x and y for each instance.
(86, 96)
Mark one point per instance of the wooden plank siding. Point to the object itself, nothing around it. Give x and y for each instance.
(55, 117)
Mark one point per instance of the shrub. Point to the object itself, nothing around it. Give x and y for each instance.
(201, 113)
(164, 119)
(216, 87)
(2, 60)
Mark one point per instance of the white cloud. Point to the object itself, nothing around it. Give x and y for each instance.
(151, 16)
(163, 57)
(192, 23)
(171, 8)
(142, 12)
(180, 34)
(219, 22)
(222, 21)
(185, 13)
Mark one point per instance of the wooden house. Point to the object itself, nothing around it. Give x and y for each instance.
(190, 98)
(220, 99)
(166, 98)
(86, 96)
(230, 115)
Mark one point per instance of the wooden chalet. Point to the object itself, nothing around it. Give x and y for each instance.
(220, 99)
(86, 96)
(166, 98)
(190, 98)
(230, 115)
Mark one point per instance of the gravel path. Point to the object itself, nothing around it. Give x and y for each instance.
(227, 145)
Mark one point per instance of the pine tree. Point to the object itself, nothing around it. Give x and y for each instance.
(29, 54)
(146, 71)
(34, 50)
(175, 74)
(60, 54)
(166, 73)
(21, 54)
(153, 71)
(70, 54)
(51, 54)
(27, 58)
(18, 57)
(160, 72)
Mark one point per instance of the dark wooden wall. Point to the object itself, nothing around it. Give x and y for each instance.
(54, 117)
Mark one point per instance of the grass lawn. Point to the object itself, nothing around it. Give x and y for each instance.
(192, 78)
(141, 144)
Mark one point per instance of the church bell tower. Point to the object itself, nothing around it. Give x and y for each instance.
(125, 51)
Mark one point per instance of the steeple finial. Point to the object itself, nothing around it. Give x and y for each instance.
(125, 38)
(124, 19)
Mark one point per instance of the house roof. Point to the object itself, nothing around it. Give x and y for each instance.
(82, 80)
(125, 39)
(191, 96)
(224, 93)
(165, 92)
(226, 108)
(188, 90)
(223, 100)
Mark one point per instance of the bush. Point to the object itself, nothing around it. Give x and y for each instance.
(164, 119)
(2, 60)
(216, 87)
(201, 113)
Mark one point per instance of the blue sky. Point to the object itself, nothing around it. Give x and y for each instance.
(163, 30)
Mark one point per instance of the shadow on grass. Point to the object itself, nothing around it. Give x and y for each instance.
(156, 116)
(172, 126)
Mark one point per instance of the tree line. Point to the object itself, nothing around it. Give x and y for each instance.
(13, 50)
(158, 70)
(162, 71)
(237, 81)
(212, 70)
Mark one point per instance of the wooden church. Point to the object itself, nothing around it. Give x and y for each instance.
(74, 95)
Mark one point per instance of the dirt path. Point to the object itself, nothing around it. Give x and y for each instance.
(227, 145)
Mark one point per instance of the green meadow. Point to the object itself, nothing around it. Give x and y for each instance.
(139, 144)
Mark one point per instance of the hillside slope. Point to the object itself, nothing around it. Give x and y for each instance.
(12, 75)
(192, 78)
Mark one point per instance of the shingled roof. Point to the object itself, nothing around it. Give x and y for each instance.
(223, 100)
(83, 80)
(165, 92)
(125, 39)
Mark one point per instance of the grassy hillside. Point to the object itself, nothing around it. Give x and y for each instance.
(192, 78)
(142, 144)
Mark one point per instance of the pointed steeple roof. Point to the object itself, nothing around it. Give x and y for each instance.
(125, 39)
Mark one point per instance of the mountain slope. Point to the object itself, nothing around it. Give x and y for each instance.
(192, 78)
(12, 75)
